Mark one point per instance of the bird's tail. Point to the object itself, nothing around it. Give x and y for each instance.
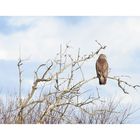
(102, 80)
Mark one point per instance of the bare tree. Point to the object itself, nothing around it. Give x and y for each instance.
(57, 94)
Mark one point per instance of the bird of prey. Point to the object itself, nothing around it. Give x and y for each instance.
(102, 69)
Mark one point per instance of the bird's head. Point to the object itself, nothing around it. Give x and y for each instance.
(102, 56)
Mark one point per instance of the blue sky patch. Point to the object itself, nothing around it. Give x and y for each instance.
(7, 29)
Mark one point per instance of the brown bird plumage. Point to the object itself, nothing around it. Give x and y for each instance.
(102, 69)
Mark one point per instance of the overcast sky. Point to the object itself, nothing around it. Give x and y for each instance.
(39, 39)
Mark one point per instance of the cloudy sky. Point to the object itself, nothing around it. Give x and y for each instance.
(39, 39)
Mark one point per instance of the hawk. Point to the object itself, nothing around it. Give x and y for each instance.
(102, 69)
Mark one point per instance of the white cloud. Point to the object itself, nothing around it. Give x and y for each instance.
(42, 39)
(46, 34)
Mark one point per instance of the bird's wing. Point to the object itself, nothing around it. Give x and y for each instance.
(98, 69)
(105, 69)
